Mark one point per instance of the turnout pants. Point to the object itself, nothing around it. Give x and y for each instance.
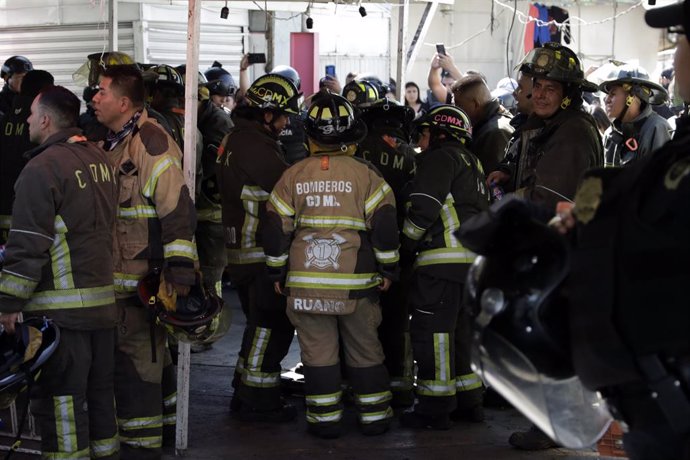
(434, 306)
(318, 337)
(73, 399)
(169, 389)
(139, 363)
(394, 335)
(468, 385)
(265, 342)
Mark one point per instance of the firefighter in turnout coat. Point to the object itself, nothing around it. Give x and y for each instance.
(331, 244)
(447, 189)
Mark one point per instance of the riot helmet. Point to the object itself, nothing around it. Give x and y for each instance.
(521, 343)
(290, 73)
(23, 353)
(331, 120)
(193, 318)
(89, 73)
(449, 120)
(218, 88)
(16, 64)
(635, 81)
(361, 94)
(274, 92)
(217, 72)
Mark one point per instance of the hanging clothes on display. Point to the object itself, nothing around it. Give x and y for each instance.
(559, 15)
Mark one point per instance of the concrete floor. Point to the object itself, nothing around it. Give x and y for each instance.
(213, 434)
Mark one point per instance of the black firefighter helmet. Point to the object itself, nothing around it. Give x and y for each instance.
(331, 120)
(194, 318)
(521, 344)
(23, 353)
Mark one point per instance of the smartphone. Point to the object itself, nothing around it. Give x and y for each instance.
(330, 70)
(256, 58)
(440, 48)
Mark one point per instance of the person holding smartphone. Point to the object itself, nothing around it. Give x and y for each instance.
(442, 74)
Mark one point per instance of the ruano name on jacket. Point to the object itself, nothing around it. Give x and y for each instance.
(332, 306)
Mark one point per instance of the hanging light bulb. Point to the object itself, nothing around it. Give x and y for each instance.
(310, 23)
(362, 11)
(225, 11)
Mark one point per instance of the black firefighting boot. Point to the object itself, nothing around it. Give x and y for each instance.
(532, 439)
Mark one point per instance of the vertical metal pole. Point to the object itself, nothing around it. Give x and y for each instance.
(113, 25)
(189, 164)
(402, 49)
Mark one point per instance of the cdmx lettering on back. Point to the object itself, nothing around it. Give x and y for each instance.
(320, 305)
(99, 172)
(319, 192)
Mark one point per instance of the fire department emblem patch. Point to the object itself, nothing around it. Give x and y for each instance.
(323, 252)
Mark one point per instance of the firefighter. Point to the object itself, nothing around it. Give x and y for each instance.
(447, 189)
(249, 164)
(154, 231)
(331, 245)
(636, 130)
(58, 264)
(292, 137)
(14, 142)
(13, 71)
(386, 147)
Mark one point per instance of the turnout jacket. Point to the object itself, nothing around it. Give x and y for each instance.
(155, 215)
(249, 164)
(447, 190)
(331, 224)
(491, 135)
(14, 143)
(59, 252)
(627, 142)
(554, 155)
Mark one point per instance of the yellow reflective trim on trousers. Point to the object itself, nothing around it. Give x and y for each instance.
(125, 282)
(60, 258)
(458, 255)
(254, 193)
(170, 400)
(377, 197)
(332, 280)
(140, 423)
(15, 285)
(435, 388)
(351, 223)
(386, 257)
(315, 417)
(412, 231)
(179, 248)
(246, 256)
(144, 442)
(442, 363)
(5, 221)
(451, 222)
(141, 211)
(253, 376)
(281, 206)
(371, 417)
(468, 382)
(250, 225)
(159, 168)
(65, 425)
(373, 398)
(71, 298)
(277, 262)
(78, 455)
(104, 447)
(329, 399)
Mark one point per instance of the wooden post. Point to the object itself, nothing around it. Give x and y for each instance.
(113, 22)
(189, 164)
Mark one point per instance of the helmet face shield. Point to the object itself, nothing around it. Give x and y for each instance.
(556, 62)
(89, 73)
(564, 409)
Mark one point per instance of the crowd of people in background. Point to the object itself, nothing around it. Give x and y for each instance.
(334, 214)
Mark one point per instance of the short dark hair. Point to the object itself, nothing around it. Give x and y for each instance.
(34, 82)
(467, 83)
(62, 104)
(127, 81)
